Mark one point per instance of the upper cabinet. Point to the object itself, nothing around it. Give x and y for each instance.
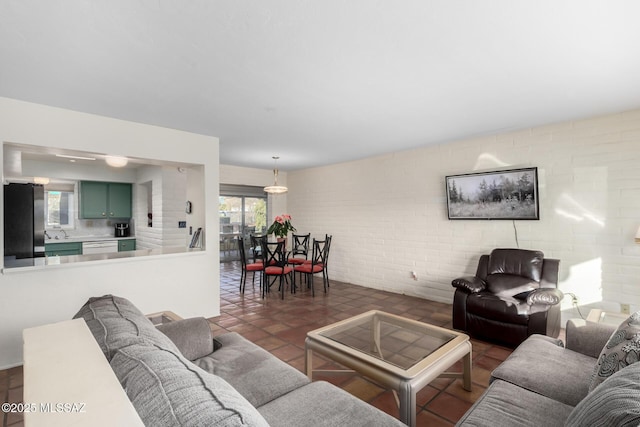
(105, 200)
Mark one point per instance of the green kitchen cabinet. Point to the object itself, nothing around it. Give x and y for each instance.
(61, 249)
(105, 200)
(126, 245)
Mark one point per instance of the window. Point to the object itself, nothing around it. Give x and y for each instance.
(59, 209)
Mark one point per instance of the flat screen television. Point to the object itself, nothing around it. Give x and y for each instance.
(508, 194)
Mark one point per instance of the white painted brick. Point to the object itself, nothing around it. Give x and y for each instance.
(388, 213)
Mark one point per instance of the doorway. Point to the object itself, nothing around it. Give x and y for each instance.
(243, 212)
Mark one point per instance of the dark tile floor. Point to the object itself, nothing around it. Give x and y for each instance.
(11, 392)
(280, 326)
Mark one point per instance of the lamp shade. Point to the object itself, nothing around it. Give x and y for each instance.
(275, 188)
(40, 180)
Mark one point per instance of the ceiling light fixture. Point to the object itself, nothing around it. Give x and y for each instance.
(40, 180)
(66, 156)
(275, 188)
(116, 161)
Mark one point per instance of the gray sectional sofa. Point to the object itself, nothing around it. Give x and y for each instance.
(178, 375)
(593, 381)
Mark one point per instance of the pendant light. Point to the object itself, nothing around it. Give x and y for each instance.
(275, 188)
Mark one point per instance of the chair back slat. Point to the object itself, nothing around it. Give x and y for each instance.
(256, 246)
(273, 254)
(300, 244)
(243, 256)
(319, 252)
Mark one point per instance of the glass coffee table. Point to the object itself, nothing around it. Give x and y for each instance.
(402, 354)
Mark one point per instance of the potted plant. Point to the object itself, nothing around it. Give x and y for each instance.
(281, 226)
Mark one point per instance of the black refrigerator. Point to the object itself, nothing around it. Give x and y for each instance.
(23, 221)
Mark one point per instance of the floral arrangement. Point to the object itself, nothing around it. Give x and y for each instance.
(281, 226)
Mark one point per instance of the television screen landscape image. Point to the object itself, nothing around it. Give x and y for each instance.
(510, 194)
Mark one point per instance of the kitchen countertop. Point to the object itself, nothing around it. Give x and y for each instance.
(43, 262)
(74, 239)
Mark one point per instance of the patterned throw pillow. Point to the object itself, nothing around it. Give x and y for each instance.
(615, 402)
(622, 349)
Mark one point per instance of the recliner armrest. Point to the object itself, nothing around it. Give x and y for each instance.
(472, 284)
(545, 296)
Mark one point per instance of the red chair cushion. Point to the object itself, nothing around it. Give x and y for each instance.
(256, 266)
(296, 260)
(276, 271)
(306, 268)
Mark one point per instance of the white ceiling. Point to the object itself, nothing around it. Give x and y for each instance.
(320, 82)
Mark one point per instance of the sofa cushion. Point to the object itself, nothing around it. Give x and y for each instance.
(499, 309)
(255, 373)
(115, 323)
(509, 285)
(518, 262)
(542, 366)
(168, 390)
(192, 336)
(505, 405)
(622, 349)
(615, 402)
(323, 404)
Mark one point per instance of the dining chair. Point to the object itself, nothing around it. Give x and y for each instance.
(256, 246)
(317, 264)
(227, 238)
(275, 265)
(327, 247)
(246, 268)
(329, 239)
(300, 247)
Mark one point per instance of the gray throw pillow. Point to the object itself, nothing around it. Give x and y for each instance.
(168, 390)
(192, 337)
(615, 402)
(622, 349)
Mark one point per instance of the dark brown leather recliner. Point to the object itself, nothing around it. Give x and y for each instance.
(513, 295)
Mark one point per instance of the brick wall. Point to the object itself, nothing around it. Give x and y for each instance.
(388, 213)
(169, 194)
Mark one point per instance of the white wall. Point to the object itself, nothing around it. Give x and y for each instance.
(388, 214)
(187, 284)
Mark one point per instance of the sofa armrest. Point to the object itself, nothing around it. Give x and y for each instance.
(588, 338)
(545, 296)
(192, 336)
(470, 283)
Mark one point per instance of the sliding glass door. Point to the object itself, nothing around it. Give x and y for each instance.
(243, 211)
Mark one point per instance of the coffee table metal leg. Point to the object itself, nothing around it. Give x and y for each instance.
(407, 404)
(308, 363)
(466, 371)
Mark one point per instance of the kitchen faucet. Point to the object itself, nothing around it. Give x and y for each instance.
(47, 235)
(65, 233)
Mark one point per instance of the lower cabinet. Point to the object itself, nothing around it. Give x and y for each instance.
(61, 249)
(126, 245)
